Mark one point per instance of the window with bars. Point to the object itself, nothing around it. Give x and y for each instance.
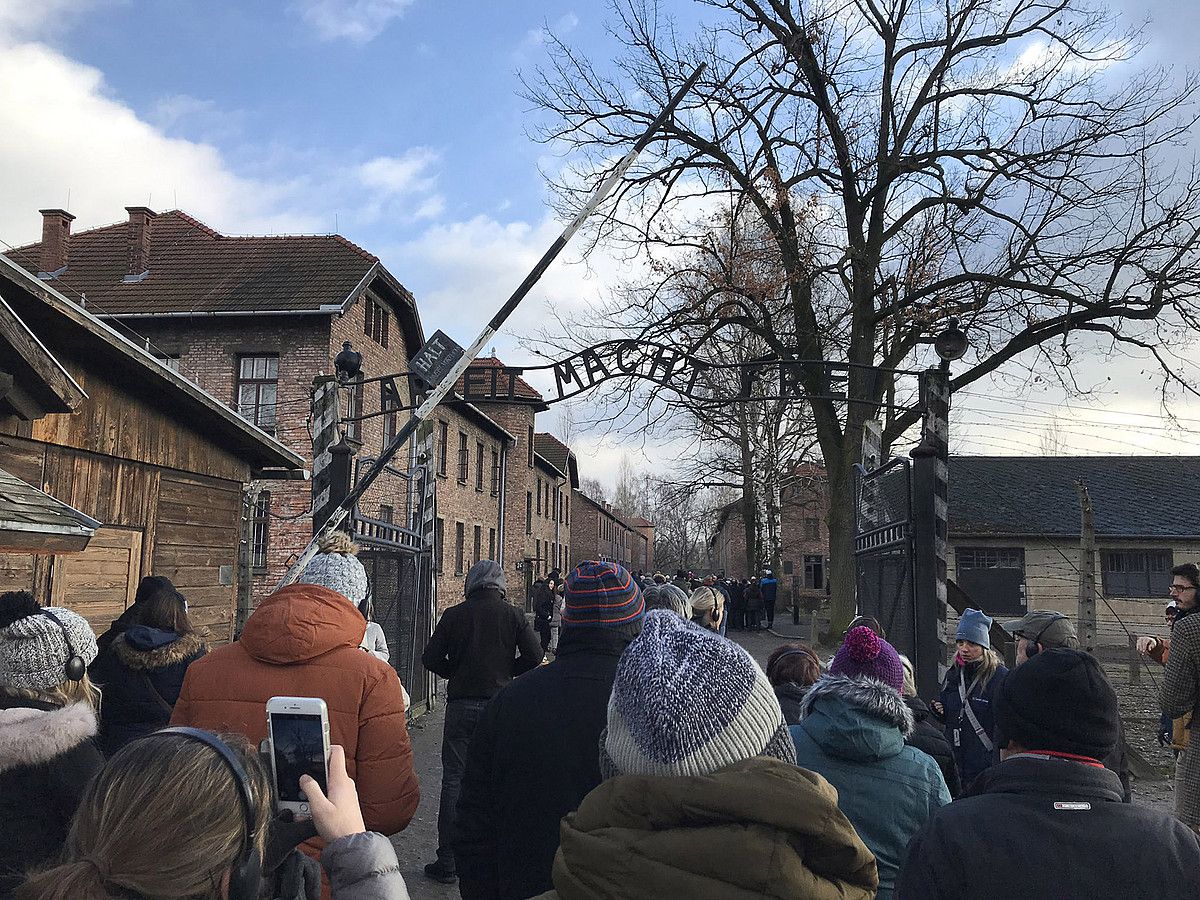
(477, 543)
(491, 543)
(479, 466)
(495, 473)
(537, 556)
(464, 458)
(443, 447)
(260, 532)
(439, 545)
(529, 512)
(993, 577)
(990, 558)
(387, 513)
(460, 532)
(257, 383)
(539, 497)
(375, 322)
(389, 430)
(1136, 573)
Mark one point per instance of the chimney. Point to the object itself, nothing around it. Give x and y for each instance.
(140, 218)
(56, 240)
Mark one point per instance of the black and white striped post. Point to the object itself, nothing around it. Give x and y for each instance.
(467, 356)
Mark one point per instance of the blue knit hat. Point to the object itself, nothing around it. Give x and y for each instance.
(685, 701)
(975, 626)
(601, 594)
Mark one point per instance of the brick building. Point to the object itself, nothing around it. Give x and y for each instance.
(599, 532)
(253, 320)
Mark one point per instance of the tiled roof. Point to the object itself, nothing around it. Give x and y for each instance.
(193, 268)
(523, 388)
(1132, 496)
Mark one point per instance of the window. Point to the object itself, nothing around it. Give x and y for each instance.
(993, 577)
(443, 447)
(389, 430)
(495, 473)
(439, 545)
(260, 532)
(1136, 573)
(814, 572)
(539, 496)
(464, 458)
(529, 441)
(788, 567)
(375, 322)
(529, 512)
(478, 544)
(537, 556)
(354, 409)
(257, 381)
(812, 529)
(459, 539)
(568, 522)
(491, 543)
(386, 513)
(479, 466)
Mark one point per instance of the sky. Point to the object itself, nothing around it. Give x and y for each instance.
(400, 124)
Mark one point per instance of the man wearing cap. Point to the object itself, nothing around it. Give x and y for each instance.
(475, 645)
(534, 755)
(1042, 629)
(1047, 822)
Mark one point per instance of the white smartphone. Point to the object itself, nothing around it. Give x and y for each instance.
(298, 730)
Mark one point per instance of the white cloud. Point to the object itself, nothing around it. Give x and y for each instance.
(399, 174)
(359, 21)
(24, 19)
(536, 38)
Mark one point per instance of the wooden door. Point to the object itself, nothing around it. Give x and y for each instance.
(102, 580)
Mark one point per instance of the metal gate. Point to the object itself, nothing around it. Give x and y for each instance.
(883, 552)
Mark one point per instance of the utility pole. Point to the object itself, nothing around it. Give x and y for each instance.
(1087, 570)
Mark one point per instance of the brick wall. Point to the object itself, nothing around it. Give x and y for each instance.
(597, 533)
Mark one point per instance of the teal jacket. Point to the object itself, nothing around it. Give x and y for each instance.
(852, 732)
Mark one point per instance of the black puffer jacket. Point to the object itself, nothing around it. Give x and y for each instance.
(47, 756)
(790, 695)
(928, 737)
(141, 674)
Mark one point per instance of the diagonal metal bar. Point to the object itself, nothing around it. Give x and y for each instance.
(339, 515)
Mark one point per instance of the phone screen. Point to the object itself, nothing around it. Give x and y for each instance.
(298, 745)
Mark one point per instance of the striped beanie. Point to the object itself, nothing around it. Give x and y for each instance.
(601, 594)
(685, 701)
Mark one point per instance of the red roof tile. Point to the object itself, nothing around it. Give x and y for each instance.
(194, 268)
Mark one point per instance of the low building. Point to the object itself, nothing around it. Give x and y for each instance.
(1014, 534)
(117, 467)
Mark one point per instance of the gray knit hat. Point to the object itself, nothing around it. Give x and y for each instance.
(685, 701)
(336, 568)
(34, 651)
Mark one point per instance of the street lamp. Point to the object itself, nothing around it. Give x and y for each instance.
(347, 364)
(951, 343)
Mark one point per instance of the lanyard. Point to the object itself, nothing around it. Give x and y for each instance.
(964, 693)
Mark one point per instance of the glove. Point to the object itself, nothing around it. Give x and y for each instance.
(284, 834)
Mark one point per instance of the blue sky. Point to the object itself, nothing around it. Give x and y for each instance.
(400, 120)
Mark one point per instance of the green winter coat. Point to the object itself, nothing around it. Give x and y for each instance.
(759, 828)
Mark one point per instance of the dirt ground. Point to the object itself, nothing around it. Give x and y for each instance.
(415, 845)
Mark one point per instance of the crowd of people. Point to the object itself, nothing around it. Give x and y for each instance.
(617, 746)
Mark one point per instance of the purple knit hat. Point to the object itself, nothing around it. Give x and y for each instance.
(866, 653)
(602, 593)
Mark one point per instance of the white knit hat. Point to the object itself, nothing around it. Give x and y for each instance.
(34, 650)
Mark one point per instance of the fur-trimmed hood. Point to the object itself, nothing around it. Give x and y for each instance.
(182, 649)
(856, 717)
(30, 736)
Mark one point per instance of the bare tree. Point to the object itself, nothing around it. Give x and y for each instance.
(909, 161)
(595, 489)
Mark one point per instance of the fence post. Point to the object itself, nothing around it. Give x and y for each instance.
(1135, 661)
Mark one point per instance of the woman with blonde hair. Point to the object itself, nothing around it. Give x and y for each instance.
(708, 607)
(47, 730)
(184, 813)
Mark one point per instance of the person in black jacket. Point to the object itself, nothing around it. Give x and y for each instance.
(142, 670)
(792, 669)
(475, 645)
(535, 755)
(927, 734)
(1047, 822)
(47, 731)
(149, 588)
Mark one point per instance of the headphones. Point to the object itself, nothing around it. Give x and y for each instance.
(75, 668)
(1033, 649)
(246, 876)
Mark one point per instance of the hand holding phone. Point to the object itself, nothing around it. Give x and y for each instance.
(298, 731)
(337, 814)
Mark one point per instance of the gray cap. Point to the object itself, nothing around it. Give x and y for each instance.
(1047, 627)
(486, 573)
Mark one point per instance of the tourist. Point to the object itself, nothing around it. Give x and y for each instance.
(792, 669)
(374, 640)
(965, 704)
(852, 731)
(480, 645)
(47, 730)
(142, 671)
(667, 596)
(927, 735)
(1179, 694)
(770, 591)
(534, 754)
(150, 587)
(1047, 822)
(708, 608)
(702, 796)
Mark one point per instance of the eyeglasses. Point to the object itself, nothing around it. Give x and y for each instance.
(1180, 588)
